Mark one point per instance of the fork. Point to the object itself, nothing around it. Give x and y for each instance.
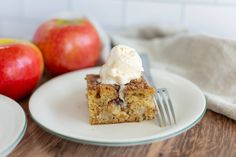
(161, 97)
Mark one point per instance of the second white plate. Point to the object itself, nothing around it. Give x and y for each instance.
(60, 107)
(12, 124)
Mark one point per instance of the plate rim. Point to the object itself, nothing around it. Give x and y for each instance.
(16, 141)
(118, 144)
(123, 143)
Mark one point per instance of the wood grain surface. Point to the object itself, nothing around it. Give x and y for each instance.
(213, 136)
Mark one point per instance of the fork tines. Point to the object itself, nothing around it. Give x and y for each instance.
(165, 107)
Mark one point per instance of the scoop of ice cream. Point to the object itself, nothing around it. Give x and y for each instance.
(123, 64)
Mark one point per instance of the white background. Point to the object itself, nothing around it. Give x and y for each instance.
(20, 18)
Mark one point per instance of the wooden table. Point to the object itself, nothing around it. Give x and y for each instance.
(214, 136)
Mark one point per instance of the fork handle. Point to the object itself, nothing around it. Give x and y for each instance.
(147, 72)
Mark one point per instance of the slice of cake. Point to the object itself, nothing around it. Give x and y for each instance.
(120, 93)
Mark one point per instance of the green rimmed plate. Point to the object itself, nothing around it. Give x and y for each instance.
(60, 107)
(13, 124)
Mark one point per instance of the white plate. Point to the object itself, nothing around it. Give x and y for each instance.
(12, 124)
(60, 107)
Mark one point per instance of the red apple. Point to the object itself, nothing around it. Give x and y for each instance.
(68, 45)
(21, 67)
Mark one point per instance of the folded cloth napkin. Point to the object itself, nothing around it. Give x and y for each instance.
(208, 61)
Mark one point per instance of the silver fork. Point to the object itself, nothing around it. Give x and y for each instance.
(161, 98)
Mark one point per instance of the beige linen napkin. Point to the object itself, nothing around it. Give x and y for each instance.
(208, 61)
